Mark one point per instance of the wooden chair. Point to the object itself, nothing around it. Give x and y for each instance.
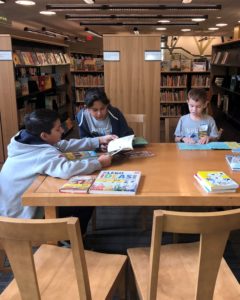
(54, 272)
(190, 271)
(138, 119)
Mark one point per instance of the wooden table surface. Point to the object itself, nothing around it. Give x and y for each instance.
(167, 180)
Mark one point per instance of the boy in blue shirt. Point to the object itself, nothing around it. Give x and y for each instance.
(37, 150)
(197, 126)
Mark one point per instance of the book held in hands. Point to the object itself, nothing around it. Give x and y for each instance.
(116, 182)
(78, 184)
(216, 181)
(124, 143)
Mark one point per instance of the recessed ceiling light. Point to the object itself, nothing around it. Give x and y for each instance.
(218, 17)
(89, 1)
(213, 28)
(163, 21)
(198, 19)
(161, 28)
(239, 21)
(2, 1)
(25, 2)
(186, 29)
(221, 24)
(47, 12)
(186, 1)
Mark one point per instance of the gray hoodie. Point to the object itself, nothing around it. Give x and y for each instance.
(26, 161)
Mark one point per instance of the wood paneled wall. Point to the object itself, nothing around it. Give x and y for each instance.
(132, 84)
(8, 106)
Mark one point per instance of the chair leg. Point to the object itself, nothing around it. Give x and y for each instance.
(94, 219)
(143, 213)
(131, 284)
(2, 262)
(122, 285)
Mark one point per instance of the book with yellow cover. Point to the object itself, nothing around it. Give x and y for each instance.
(216, 181)
(116, 182)
(80, 155)
(78, 184)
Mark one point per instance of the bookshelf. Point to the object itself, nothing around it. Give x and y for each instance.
(174, 86)
(35, 76)
(225, 79)
(87, 72)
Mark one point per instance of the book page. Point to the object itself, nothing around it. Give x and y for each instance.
(124, 143)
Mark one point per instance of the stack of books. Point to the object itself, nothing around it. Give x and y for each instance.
(233, 161)
(216, 182)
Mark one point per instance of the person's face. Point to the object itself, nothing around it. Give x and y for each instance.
(55, 135)
(196, 108)
(98, 110)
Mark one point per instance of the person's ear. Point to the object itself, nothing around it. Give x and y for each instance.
(44, 136)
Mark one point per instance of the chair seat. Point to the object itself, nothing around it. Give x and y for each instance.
(55, 265)
(178, 273)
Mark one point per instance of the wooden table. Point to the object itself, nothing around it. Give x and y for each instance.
(167, 180)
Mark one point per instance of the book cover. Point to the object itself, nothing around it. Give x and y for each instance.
(216, 180)
(233, 161)
(78, 184)
(79, 155)
(116, 182)
(206, 189)
(139, 141)
(175, 65)
(120, 144)
(199, 66)
(165, 65)
(186, 65)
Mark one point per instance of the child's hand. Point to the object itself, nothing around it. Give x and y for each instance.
(188, 140)
(107, 138)
(105, 160)
(103, 147)
(204, 140)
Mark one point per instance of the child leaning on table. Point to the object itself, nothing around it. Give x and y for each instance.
(37, 150)
(197, 126)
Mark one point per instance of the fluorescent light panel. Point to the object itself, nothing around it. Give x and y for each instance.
(93, 32)
(132, 16)
(137, 7)
(89, 1)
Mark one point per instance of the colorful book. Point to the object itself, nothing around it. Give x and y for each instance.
(78, 184)
(209, 146)
(233, 161)
(116, 182)
(216, 181)
(79, 155)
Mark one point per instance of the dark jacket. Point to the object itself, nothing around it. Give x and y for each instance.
(118, 122)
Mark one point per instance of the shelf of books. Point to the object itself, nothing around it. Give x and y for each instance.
(225, 79)
(87, 71)
(178, 76)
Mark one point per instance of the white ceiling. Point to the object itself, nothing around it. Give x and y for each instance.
(21, 16)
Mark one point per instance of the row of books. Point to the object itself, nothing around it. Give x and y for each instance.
(84, 63)
(171, 110)
(39, 58)
(200, 80)
(93, 80)
(220, 57)
(183, 65)
(174, 80)
(173, 95)
(231, 82)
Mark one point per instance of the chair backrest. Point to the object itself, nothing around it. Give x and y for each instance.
(214, 229)
(139, 119)
(16, 237)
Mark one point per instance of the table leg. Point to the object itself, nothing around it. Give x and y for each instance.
(50, 212)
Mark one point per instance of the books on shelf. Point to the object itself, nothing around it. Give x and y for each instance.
(78, 184)
(186, 65)
(80, 155)
(233, 161)
(120, 144)
(116, 182)
(216, 181)
(175, 65)
(224, 57)
(199, 66)
(165, 66)
(217, 57)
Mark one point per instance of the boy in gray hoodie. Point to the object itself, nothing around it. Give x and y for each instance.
(37, 150)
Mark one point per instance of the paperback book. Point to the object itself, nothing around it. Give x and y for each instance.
(233, 161)
(78, 184)
(116, 182)
(216, 181)
(121, 144)
(79, 155)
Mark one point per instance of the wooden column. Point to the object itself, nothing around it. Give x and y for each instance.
(133, 84)
(236, 32)
(8, 106)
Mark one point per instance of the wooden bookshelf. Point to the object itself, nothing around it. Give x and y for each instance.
(35, 77)
(225, 79)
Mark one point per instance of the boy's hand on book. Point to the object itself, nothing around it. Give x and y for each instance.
(105, 160)
(107, 138)
(204, 140)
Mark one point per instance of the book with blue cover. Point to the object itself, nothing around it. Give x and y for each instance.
(209, 146)
(233, 161)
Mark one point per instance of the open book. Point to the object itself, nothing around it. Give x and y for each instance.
(125, 143)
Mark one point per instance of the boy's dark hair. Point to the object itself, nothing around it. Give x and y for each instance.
(198, 95)
(41, 120)
(95, 94)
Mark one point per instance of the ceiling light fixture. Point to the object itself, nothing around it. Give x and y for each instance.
(93, 32)
(163, 21)
(213, 28)
(198, 19)
(2, 1)
(89, 1)
(134, 7)
(76, 17)
(47, 12)
(53, 32)
(186, 1)
(25, 2)
(135, 30)
(221, 24)
(39, 32)
(161, 28)
(185, 29)
(110, 23)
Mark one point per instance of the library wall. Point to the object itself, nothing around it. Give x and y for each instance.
(132, 84)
